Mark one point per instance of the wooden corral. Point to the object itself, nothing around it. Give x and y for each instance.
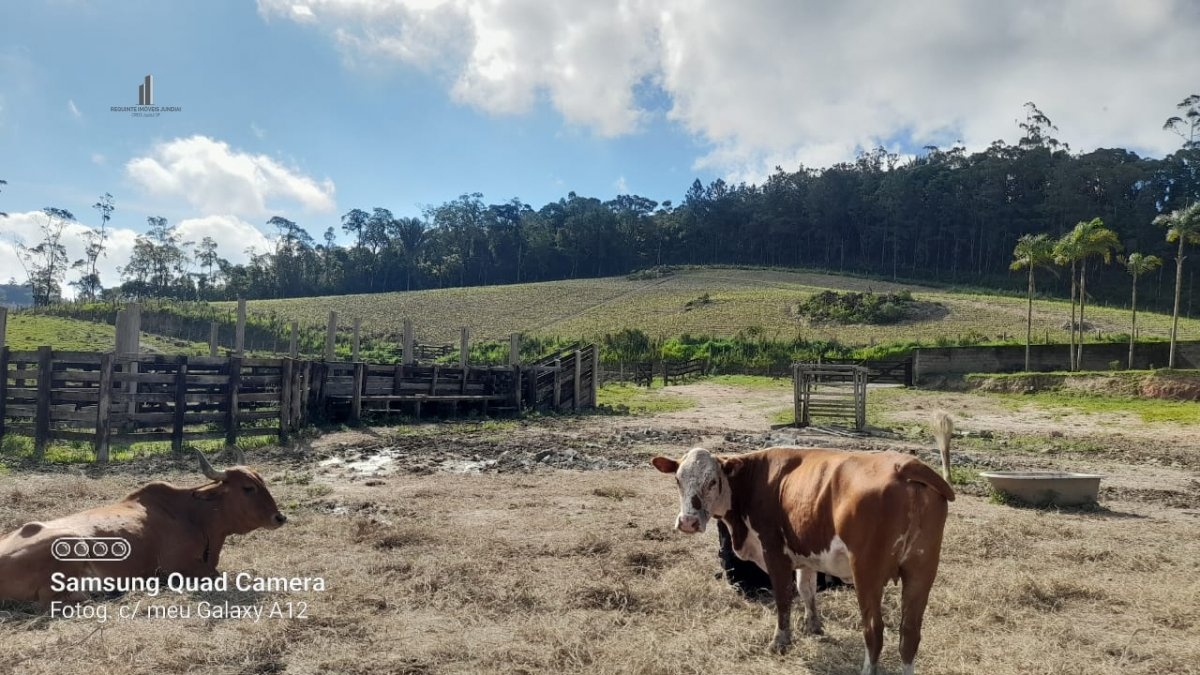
(125, 397)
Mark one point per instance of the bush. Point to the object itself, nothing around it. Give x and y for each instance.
(852, 307)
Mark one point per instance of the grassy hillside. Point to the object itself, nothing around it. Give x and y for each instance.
(736, 299)
(30, 331)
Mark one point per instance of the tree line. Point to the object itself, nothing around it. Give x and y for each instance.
(944, 216)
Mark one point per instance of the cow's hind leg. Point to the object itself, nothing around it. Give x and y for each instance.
(913, 597)
(870, 606)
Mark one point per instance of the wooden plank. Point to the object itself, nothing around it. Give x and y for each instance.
(21, 429)
(409, 339)
(577, 384)
(71, 435)
(357, 392)
(260, 362)
(72, 415)
(134, 378)
(42, 420)
(256, 416)
(103, 408)
(3, 381)
(253, 381)
(22, 373)
(213, 327)
(354, 345)
(442, 397)
(23, 356)
(77, 376)
(90, 395)
(557, 383)
(285, 402)
(232, 412)
(180, 406)
(21, 410)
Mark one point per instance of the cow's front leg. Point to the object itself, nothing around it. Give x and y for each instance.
(808, 594)
(782, 574)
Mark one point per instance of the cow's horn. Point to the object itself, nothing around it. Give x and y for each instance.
(210, 472)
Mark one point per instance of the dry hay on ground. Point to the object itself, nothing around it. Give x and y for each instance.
(569, 571)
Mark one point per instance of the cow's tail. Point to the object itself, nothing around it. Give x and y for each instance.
(943, 429)
(917, 471)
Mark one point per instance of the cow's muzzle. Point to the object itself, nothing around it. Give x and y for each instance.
(279, 519)
(690, 524)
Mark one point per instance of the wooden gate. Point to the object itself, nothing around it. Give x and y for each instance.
(830, 391)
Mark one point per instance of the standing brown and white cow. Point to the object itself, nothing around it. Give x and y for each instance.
(867, 518)
(166, 529)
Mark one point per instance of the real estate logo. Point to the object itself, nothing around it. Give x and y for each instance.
(145, 106)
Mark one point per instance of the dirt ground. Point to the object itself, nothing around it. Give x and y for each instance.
(546, 547)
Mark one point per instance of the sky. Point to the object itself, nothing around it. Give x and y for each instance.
(309, 108)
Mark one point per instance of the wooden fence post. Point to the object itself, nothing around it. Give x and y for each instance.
(577, 378)
(557, 383)
(464, 353)
(103, 406)
(213, 328)
(409, 357)
(181, 370)
(360, 381)
(285, 398)
(294, 341)
(595, 373)
(231, 415)
(354, 347)
(239, 347)
(42, 421)
(129, 333)
(330, 336)
(514, 349)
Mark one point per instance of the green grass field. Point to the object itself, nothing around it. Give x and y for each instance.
(739, 299)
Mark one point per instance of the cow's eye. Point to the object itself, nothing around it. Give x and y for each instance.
(712, 483)
(249, 489)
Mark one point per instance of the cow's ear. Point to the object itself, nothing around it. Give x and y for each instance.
(665, 465)
(731, 465)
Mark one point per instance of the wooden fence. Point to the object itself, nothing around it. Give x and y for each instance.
(103, 398)
(886, 371)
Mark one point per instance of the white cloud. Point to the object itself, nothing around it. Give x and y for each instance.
(777, 81)
(74, 110)
(215, 178)
(233, 237)
(621, 186)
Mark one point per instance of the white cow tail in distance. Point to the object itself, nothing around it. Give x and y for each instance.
(943, 429)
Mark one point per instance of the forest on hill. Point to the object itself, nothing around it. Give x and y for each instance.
(942, 216)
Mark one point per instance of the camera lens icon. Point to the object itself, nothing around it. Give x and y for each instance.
(90, 549)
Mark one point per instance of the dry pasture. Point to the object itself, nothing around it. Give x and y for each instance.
(528, 568)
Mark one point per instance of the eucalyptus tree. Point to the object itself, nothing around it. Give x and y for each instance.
(46, 263)
(1137, 264)
(1095, 241)
(1032, 251)
(1183, 226)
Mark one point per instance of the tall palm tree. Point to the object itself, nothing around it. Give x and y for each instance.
(1182, 226)
(1032, 251)
(1067, 252)
(1137, 264)
(1095, 240)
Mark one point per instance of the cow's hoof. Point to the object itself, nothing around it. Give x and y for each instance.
(814, 628)
(781, 643)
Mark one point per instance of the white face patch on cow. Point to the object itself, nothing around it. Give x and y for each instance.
(835, 559)
(703, 490)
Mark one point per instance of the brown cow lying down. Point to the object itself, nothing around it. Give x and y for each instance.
(168, 529)
(867, 518)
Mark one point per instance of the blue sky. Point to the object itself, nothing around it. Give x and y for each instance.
(308, 108)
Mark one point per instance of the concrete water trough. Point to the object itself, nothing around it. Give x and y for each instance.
(1046, 488)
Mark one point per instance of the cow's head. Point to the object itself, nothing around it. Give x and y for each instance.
(703, 487)
(243, 501)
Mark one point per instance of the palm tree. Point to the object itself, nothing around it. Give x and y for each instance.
(1032, 251)
(1137, 264)
(1182, 226)
(1066, 251)
(1095, 240)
